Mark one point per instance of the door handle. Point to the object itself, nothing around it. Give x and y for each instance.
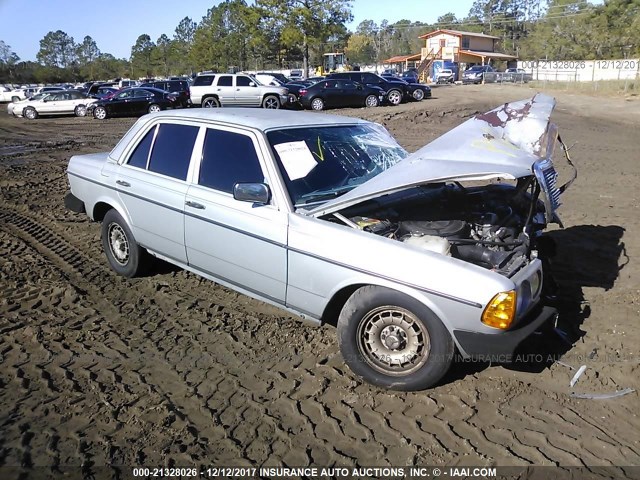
(123, 183)
(199, 206)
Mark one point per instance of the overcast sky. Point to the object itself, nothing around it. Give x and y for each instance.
(116, 24)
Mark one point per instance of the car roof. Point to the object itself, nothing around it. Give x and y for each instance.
(254, 118)
(261, 119)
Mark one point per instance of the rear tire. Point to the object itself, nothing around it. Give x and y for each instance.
(125, 256)
(392, 340)
(80, 111)
(154, 108)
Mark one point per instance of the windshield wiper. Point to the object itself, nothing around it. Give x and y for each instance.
(322, 195)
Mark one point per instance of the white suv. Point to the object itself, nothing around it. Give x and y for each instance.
(235, 90)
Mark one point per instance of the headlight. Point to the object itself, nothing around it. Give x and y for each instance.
(501, 310)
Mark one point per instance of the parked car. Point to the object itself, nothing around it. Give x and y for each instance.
(294, 89)
(446, 75)
(134, 101)
(516, 75)
(179, 88)
(61, 102)
(15, 108)
(336, 93)
(410, 76)
(235, 90)
(103, 92)
(295, 74)
(12, 94)
(478, 73)
(413, 256)
(277, 75)
(396, 90)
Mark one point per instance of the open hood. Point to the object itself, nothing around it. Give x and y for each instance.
(502, 143)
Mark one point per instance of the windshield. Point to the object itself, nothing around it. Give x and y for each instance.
(321, 163)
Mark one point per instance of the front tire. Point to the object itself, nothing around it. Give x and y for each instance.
(30, 113)
(125, 256)
(100, 113)
(154, 108)
(271, 102)
(371, 101)
(418, 94)
(80, 111)
(392, 340)
(317, 104)
(394, 97)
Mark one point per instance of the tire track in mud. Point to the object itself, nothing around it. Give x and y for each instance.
(196, 368)
(158, 351)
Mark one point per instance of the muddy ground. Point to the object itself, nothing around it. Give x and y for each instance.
(173, 370)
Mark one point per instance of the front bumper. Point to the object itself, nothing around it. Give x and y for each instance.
(499, 347)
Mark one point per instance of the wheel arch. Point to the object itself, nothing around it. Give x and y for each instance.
(342, 293)
(209, 95)
(102, 206)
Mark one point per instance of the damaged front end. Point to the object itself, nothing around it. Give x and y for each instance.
(482, 193)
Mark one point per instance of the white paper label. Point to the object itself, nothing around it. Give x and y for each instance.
(296, 158)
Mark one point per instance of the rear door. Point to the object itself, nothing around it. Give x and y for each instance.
(152, 184)
(240, 243)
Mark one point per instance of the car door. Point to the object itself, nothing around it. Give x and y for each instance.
(330, 93)
(247, 92)
(120, 103)
(139, 104)
(152, 184)
(49, 104)
(350, 94)
(240, 243)
(225, 90)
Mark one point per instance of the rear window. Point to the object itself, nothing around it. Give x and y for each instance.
(204, 80)
(172, 150)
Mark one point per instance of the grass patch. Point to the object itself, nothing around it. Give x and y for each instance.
(602, 87)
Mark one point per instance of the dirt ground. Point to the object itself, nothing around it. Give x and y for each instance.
(173, 370)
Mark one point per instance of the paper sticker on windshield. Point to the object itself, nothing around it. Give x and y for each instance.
(296, 158)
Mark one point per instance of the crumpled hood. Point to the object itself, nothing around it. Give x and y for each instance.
(504, 142)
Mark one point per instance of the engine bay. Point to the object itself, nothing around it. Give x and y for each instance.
(490, 226)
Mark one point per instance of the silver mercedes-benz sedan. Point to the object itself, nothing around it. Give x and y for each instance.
(413, 256)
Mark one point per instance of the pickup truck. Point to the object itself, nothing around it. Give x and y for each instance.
(9, 95)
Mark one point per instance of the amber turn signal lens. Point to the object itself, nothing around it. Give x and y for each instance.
(501, 310)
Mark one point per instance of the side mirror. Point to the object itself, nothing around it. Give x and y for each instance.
(252, 192)
(252, 84)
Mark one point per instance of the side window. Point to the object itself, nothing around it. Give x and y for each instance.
(172, 150)
(243, 81)
(141, 92)
(228, 158)
(204, 81)
(140, 155)
(225, 81)
(369, 78)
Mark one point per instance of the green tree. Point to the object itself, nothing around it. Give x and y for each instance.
(9, 61)
(182, 41)
(141, 56)
(310, 22)
(162, 54)
(57, 49)
(87, 52)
